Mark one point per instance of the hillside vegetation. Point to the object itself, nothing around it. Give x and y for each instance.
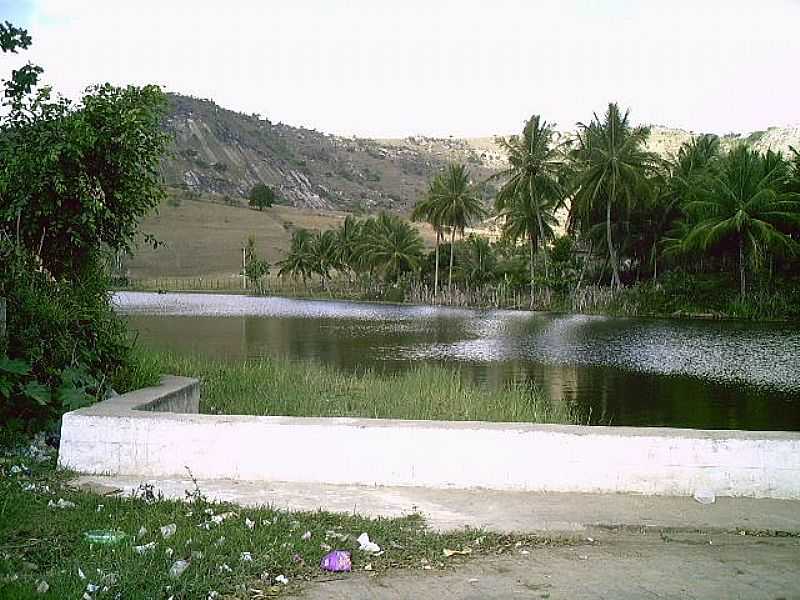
(223, 153)
(218, 155)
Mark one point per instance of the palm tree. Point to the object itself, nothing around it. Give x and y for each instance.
(480, 262)
(530, 218)
(300, 260)
(533, 177)
(425, 210)
(348, 236)
(610, 164)
(324, 250)
(692, 169)
(456, 204)
(392, 246)
(747, 206)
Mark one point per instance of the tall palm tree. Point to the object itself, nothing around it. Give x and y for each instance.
(425, 210)
(391, 246)
(748, 205)
(610, 165)
(533, 177)
(456, 204)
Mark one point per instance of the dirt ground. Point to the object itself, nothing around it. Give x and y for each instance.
(615, 565)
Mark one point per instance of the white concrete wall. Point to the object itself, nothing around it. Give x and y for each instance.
(120, 440)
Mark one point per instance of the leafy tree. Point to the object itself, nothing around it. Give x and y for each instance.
(456, 204)
(75, 179)
(746, 206)
(610, 165)
(261, 196)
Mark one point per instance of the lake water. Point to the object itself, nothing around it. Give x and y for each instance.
(618, 371)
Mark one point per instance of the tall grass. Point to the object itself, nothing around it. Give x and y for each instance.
(267, 386)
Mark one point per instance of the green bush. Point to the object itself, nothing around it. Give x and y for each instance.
(64, 341)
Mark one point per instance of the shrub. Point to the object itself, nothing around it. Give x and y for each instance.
(64, 341)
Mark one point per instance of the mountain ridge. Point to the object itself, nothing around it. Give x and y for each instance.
(221, 152)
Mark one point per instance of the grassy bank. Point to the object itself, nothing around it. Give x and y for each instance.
(683, 296)
(276, 387)
(232, 552)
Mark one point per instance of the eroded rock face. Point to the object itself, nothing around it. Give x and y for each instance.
(219, 151)
(222, 152)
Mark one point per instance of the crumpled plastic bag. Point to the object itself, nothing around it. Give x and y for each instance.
(365, 545)
(177, 568)
(337, 561)
(167, 531)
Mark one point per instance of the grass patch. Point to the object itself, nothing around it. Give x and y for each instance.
(267, 386)
(40, 543)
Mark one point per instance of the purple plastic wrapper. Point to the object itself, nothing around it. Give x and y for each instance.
(337, 561)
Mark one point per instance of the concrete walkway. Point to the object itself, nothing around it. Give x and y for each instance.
(629, 547)
(497, 511)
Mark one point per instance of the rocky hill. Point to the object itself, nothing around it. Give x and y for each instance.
(222, 152)
(218, 151)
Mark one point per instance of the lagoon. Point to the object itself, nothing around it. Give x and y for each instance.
(617, 371)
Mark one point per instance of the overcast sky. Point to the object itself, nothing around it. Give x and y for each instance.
(436, 67)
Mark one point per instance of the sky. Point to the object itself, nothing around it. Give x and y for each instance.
(465, 68)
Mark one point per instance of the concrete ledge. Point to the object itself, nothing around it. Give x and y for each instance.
(130, 435)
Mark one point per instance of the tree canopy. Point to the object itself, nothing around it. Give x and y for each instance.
(261, 196)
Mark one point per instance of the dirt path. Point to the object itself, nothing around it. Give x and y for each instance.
(617, 565)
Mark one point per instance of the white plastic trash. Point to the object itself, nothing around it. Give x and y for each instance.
(705, 496)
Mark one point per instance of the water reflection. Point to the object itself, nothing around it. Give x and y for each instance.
(620, 371)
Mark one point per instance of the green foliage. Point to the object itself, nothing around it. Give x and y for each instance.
(74, 182)
(744, 208)
(611, 169)
(390, 246)
(479, 262)
(261, 196)
(386, 245)
(454, 204)
(533, 189)
(64, 332)
(299, 261)
(255, 268)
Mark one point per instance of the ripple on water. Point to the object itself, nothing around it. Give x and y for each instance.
(762, 355)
